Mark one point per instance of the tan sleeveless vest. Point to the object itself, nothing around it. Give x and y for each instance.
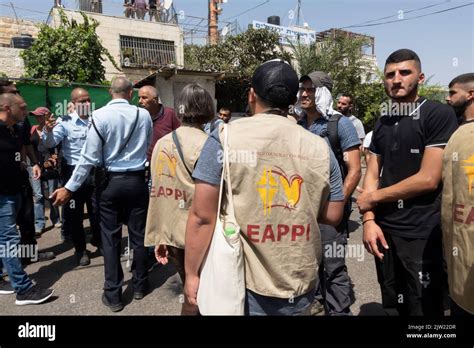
(458, 215)
(173, 188)
(280, 181)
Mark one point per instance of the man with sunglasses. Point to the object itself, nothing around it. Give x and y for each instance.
(71, 131)
(334, 294)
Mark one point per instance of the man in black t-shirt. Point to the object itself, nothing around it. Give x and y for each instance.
(401, 196)
(12, 112)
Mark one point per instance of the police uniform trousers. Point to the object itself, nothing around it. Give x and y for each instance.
(74, 211)
(123, 199)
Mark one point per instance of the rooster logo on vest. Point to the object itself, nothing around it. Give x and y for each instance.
(276, 189)
(166, 164)
(469, 169)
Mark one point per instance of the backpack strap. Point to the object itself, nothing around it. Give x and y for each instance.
(333, 135)
(180, 151)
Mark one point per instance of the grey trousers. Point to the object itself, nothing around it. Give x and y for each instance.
(334, 287)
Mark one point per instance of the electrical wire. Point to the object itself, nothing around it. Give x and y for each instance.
(407, 19)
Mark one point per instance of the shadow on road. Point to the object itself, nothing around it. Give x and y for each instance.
(372, 309)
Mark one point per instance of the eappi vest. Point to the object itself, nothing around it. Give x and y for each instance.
(280, 181)
(173, 188)
(458, 215)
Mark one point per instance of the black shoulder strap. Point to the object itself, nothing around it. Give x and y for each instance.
(130, 135)
(124, 145)
(333, 135)
(180, 151)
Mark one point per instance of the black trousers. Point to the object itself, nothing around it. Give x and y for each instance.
(333, 286)
(26, 215)
(412, 278)
(74, 211)
(123, 200)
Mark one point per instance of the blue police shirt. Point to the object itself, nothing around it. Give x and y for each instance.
(114, 122)
(71, 130)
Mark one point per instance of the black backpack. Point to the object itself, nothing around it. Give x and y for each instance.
(333, 138)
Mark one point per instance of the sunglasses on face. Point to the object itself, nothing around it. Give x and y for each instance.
(309, 90)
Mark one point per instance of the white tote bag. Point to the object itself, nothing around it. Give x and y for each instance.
(222, 281)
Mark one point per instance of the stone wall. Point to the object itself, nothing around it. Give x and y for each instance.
(10, 62)
(10, 28)
(112, 27)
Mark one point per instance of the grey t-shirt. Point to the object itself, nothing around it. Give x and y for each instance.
(209, 168)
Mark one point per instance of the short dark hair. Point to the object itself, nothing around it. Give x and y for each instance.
(402, 55)
(224, 108)
(462, 79)
(347, 95)
(195, 105)
(4, 83)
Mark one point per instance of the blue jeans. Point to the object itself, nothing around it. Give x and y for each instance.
(258, 305)
(39, 199)
(10, 238)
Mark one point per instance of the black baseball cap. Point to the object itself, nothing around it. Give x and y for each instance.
(276, 82)
(319, 79)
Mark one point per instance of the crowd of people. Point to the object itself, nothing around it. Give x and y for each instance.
(139, 8)
(159, 171)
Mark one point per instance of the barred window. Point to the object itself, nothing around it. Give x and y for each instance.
(137, 52)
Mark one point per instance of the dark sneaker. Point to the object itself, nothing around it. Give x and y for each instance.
(83, 259)
(5, 287)
(113, 307)
(140, 294)
(33, 295)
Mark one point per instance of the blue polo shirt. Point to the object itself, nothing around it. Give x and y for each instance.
(345, 130)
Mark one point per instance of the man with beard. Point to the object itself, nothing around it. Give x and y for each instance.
(402, 203)
(458, 198)
(460, 95)
(334, 293)
(344, 106)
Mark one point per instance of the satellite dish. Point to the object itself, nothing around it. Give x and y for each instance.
(168, 4)
(225, 31)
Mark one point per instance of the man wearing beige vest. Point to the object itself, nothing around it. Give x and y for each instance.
(457, 209)
(279, 196)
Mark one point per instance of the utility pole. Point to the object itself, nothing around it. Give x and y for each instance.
(214, 12)
(298, 11)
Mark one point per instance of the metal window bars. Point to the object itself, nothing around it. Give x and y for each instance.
(137, 52)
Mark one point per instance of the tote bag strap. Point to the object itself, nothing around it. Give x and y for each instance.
(226, 174)
(226, 164)
(224, 159)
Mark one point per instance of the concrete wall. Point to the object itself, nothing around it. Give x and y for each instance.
(9, 27)
(169, 89)
(111, 28)
(10, 62)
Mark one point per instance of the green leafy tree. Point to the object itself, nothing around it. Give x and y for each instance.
(433, 92)
(238, 55)
(71, 52)
(342, 57)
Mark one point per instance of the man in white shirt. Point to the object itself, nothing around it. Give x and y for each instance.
(344, 106)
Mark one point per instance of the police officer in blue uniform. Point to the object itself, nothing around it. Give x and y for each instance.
(118, 141)
(71, 131)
